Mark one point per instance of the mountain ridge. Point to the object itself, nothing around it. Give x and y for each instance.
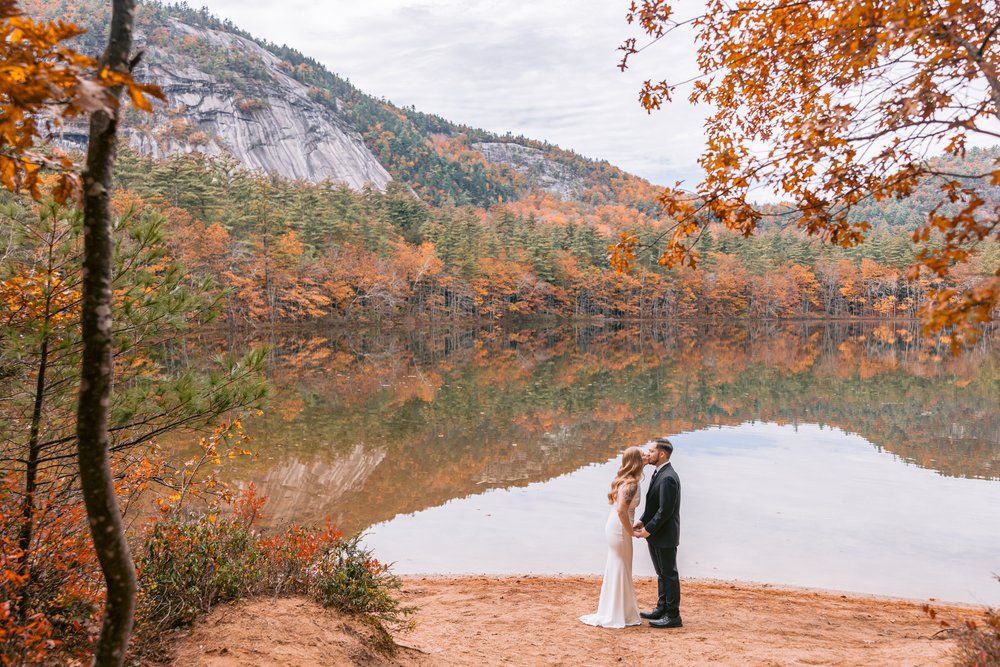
(284, 113)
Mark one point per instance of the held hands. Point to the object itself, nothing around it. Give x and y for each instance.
(638, 530)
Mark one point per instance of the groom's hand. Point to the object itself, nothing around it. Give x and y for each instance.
(637, 525)
(640, 532)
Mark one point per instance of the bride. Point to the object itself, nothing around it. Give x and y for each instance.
(618, 606)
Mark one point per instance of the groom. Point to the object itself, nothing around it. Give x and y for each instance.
(661, 526)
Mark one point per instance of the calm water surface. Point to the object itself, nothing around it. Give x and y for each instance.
(801, 506)
(844, 457)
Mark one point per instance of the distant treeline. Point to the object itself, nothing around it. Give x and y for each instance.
(293, 251)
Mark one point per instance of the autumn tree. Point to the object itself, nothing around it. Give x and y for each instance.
(41, 74)
(40, 281)
(41, 306)
(38, 71)
(832, 104)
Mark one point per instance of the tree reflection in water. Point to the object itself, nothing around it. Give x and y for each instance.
(365, 424)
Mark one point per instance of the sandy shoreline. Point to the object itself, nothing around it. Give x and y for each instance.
(533, 620)
(415, 577)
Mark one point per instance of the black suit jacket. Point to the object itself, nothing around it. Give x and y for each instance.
(662, 514)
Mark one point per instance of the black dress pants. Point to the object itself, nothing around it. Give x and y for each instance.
(668, 580)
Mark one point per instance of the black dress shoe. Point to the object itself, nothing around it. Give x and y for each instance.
(656, 613)
(666, 622)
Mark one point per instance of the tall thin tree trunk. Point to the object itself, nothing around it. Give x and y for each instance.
(31, 474)
(34, 449)
(96, 371)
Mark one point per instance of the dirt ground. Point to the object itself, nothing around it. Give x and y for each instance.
(529, 620)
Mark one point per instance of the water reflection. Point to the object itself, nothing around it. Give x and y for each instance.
(800, 506)
(365, 426)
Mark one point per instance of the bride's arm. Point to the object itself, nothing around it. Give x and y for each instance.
(626, 492)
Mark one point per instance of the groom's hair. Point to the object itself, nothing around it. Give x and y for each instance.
(665, 445)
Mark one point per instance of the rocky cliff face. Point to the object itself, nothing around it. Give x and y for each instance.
(271, 125)
(531, 162)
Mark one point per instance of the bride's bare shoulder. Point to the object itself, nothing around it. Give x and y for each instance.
(629, 489)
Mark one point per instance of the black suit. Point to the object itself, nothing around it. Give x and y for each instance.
(662, 519)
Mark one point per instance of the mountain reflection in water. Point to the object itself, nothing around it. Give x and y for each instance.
(366, 425)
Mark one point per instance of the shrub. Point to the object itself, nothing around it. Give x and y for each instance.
(979, 645)
(50, 609)
(186, 566)
(348, 578)
(291, 556)
(49, 599)
(250, 104)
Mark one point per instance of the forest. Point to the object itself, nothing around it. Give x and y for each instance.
(275, 251)
(458, 236)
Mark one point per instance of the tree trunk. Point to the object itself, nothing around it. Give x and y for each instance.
(34, 449)
(96, 370)
(31, 475)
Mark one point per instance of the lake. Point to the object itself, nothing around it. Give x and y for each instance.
(841, 456)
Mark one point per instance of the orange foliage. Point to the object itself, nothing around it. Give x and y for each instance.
(38, 297)
(835, 103)
(197, 245)
(417, 262)
(40, 74)
(63, 583)
(730, 287)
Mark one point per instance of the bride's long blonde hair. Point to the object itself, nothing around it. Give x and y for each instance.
(629, 473)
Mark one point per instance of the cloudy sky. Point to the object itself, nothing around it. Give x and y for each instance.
(545, 69)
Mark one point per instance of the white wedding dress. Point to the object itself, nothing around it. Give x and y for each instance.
(618, 606)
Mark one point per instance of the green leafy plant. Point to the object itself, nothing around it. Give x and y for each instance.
(349, 578)
(186, 566)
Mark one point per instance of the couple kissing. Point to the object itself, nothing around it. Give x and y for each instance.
(659, 525)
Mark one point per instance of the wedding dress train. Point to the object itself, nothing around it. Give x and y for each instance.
(618, 606)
